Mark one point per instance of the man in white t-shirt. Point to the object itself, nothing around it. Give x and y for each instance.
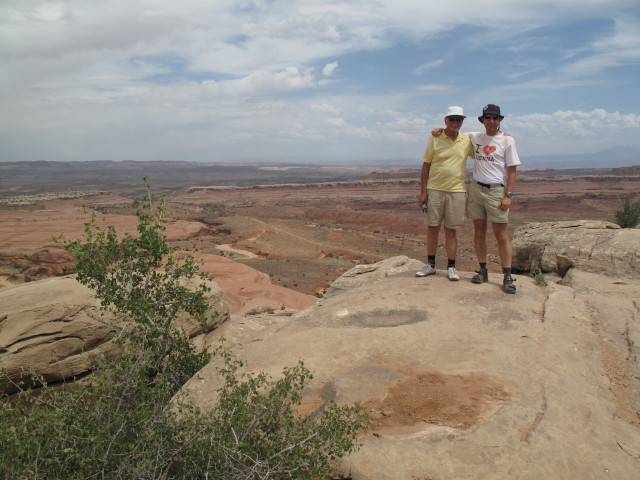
(490, 191)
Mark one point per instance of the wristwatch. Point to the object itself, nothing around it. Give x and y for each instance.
(508, 194)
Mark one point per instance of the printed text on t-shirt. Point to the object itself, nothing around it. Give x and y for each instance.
(488, 149)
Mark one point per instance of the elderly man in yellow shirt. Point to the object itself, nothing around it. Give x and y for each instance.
(442, 188)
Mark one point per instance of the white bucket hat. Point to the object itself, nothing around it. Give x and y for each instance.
(455, 111)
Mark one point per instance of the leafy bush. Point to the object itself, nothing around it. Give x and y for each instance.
(138, 280)
(129, 421)
(118, 427)
(629, 216)
(256, 428)
(538, 276)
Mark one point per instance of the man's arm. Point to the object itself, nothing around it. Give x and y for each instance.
(424, 179)
(437, 131)
(511, 185)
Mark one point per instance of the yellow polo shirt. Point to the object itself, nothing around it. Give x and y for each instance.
(448, 159)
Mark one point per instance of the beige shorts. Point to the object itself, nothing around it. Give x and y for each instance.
(445, 207)
(483, 202)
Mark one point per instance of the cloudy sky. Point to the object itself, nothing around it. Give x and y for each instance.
(310, 80)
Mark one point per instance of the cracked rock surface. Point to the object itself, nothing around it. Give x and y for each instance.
(588, 245)
(462, 381)
(53, 327)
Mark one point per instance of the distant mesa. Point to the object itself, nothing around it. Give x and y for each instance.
(630, 171)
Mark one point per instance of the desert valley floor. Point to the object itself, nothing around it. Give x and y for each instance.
(302, 235)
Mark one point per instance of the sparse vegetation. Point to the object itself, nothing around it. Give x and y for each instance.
(538, 276)
(130, 421)
(258, 311)
(629, 215)
(215, 208)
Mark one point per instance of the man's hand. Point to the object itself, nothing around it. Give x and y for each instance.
(505, 203)
(436, 132)
(422, 198)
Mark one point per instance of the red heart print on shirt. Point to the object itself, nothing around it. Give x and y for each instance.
(489, 149)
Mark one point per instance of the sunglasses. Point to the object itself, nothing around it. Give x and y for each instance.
(456, 119)
(491, 117)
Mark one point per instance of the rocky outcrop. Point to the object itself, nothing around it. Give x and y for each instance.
(460, 380)
(27, 235)
(614, 304)
(362, 274)
(248, 290)
(627, 171)
(591, 246)
(43, 262)
(53, 327)
(20, 200)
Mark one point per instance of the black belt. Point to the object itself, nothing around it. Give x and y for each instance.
(488, 185)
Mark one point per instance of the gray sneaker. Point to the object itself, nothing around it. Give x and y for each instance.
(426, 270)
(452, 274)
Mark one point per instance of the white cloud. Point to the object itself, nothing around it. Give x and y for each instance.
(262, 83)
(336, 121)
(573, 131)
(436, 87)
(149, 79)
(583, 66)
(428, 66)
(324, 107)
(622, 47)
(329, 69)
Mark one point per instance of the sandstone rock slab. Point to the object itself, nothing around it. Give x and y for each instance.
(362, 274)
(53, 327)
(461, 381)
(591, 246)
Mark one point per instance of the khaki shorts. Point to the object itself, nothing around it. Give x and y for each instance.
(482, 203)
(445, 207)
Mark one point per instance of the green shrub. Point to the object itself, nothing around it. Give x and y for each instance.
(629, 216)
(538, 276)
(129, 420)
(118, 427)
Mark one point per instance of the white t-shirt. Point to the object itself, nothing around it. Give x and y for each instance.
(493, 154)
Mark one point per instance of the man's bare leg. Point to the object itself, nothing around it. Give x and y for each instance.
(451, 246)
(432, 247)
(480, 240)
(504, 243)
(480, 244)
(451, 243)
(504, 248)
(432, 240)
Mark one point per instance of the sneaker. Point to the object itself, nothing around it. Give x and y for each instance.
(481, 276)
(452, 274)
(426, 270)
(507, 284)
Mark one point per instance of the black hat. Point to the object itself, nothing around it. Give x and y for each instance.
(490, 109)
